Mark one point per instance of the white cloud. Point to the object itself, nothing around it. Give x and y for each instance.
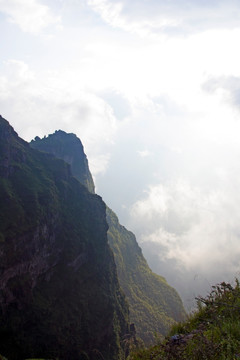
(128, 97)
(228, 87)
(193, 231)
(174, 206)
(110, 12)
(145, 153)
(115, 13)
(30, 15)
(99, 163)
(38, 104)
(172, 18)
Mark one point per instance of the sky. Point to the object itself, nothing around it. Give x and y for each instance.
(152, 89)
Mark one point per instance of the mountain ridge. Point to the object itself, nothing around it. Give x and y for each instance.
(154, 305)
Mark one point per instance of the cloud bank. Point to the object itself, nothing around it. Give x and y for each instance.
(39, 106)
(193, 231)
(172, 17)
(30, 15)
(152, 89)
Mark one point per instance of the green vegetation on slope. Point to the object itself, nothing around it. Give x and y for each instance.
(211, 333)
(154, 305)
(59, 292)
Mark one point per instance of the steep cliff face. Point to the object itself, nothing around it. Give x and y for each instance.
(59, 293)
(154, 305)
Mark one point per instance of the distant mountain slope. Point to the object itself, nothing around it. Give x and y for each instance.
(59, 292)
(154, 305)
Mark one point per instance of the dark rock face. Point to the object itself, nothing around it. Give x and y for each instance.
(69, 148)
(7, 152)
(59, 293)
(154, 305)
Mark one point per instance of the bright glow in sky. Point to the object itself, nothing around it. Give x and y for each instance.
(153, 91)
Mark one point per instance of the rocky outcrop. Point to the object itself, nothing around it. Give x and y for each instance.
(59, 292)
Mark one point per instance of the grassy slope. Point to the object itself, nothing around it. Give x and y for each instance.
(212, 333)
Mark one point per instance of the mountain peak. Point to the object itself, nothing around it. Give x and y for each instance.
(12, 148)
(6, 130)
(68, 147)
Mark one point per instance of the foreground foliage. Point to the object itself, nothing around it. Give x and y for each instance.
(212, 333)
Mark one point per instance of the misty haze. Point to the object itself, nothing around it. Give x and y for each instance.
(152, 89)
